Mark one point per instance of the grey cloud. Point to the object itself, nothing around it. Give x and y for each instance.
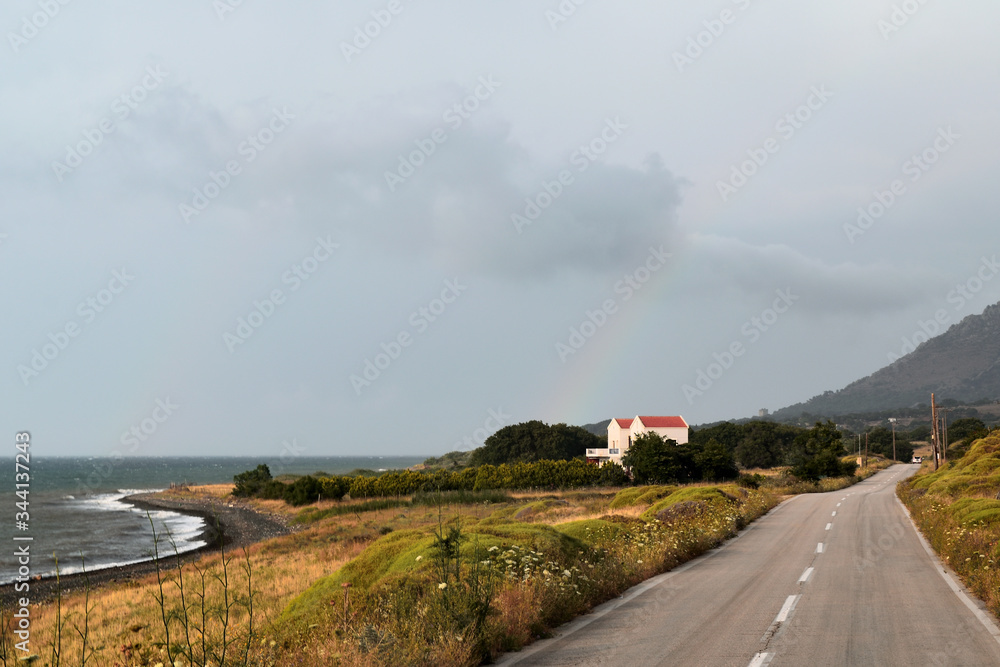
(329, 168)
(844, 287)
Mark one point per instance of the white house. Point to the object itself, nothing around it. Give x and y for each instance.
(621, 433)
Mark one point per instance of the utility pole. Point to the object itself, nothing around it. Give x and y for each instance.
(866, 451)
(892, 420)
(934, 431)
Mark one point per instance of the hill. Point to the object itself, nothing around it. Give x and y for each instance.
(963, 363)
(599, 429)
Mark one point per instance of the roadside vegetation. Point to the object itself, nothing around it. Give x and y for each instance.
(427, 576)
(464, 589)
(957, 508)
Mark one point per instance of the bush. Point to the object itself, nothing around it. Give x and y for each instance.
(824, 464)
(272, 490)
(750, 481)
(303, 491)
(249, 483)
(517, 476)
(613, 474)
(716, 462)
(334, 488)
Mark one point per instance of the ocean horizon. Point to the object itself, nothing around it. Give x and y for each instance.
(78, 514)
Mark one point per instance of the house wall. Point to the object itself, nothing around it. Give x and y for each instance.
(621, 439)
(618, 438)
(678, 434)
(614, 434)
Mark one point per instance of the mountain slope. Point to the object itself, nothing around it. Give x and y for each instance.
(599, 428)
(962, 363)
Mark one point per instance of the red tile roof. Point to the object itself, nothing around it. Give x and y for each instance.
(624, 423)
(663, 422)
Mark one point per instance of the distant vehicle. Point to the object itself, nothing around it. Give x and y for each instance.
(917, 459)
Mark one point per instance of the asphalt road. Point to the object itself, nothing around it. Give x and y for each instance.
(837, 578)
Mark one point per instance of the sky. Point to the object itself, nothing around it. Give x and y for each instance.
(393, 227)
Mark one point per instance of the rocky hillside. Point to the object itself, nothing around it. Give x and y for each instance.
(963, 363)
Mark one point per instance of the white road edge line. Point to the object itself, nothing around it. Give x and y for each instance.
(819, 548)
(956, 586)
(805, 575)
(761, 660)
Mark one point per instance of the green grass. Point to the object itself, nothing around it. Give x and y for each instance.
(957, 511)
(312, 514)
(408, 553)
(462, 497)
(972, 511)
(599, 532)
(538, 509)
(537, 576)
(426, 499)
(694, 494)
(640, 495)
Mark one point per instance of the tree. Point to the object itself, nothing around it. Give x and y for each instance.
(968, 429)
(766, 444)
(817, 453)
(715, 462)
(534, 441)
(250, 483)
(652, 460)
(880, 442)
(727, 433)
(757, 443)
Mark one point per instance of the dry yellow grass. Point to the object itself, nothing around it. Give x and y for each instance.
(128, 615)
(125, 623)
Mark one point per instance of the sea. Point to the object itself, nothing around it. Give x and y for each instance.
(77, 517)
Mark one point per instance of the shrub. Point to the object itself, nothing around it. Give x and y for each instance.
(334, 488)
(249, 483)
(613, 474)
(303, 491)
(750, 481)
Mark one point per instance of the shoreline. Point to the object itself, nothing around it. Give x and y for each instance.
(238, 526)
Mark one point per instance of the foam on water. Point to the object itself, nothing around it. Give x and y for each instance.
(78, 511)
(106, 531)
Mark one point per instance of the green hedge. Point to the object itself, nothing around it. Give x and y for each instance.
(537, 475)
